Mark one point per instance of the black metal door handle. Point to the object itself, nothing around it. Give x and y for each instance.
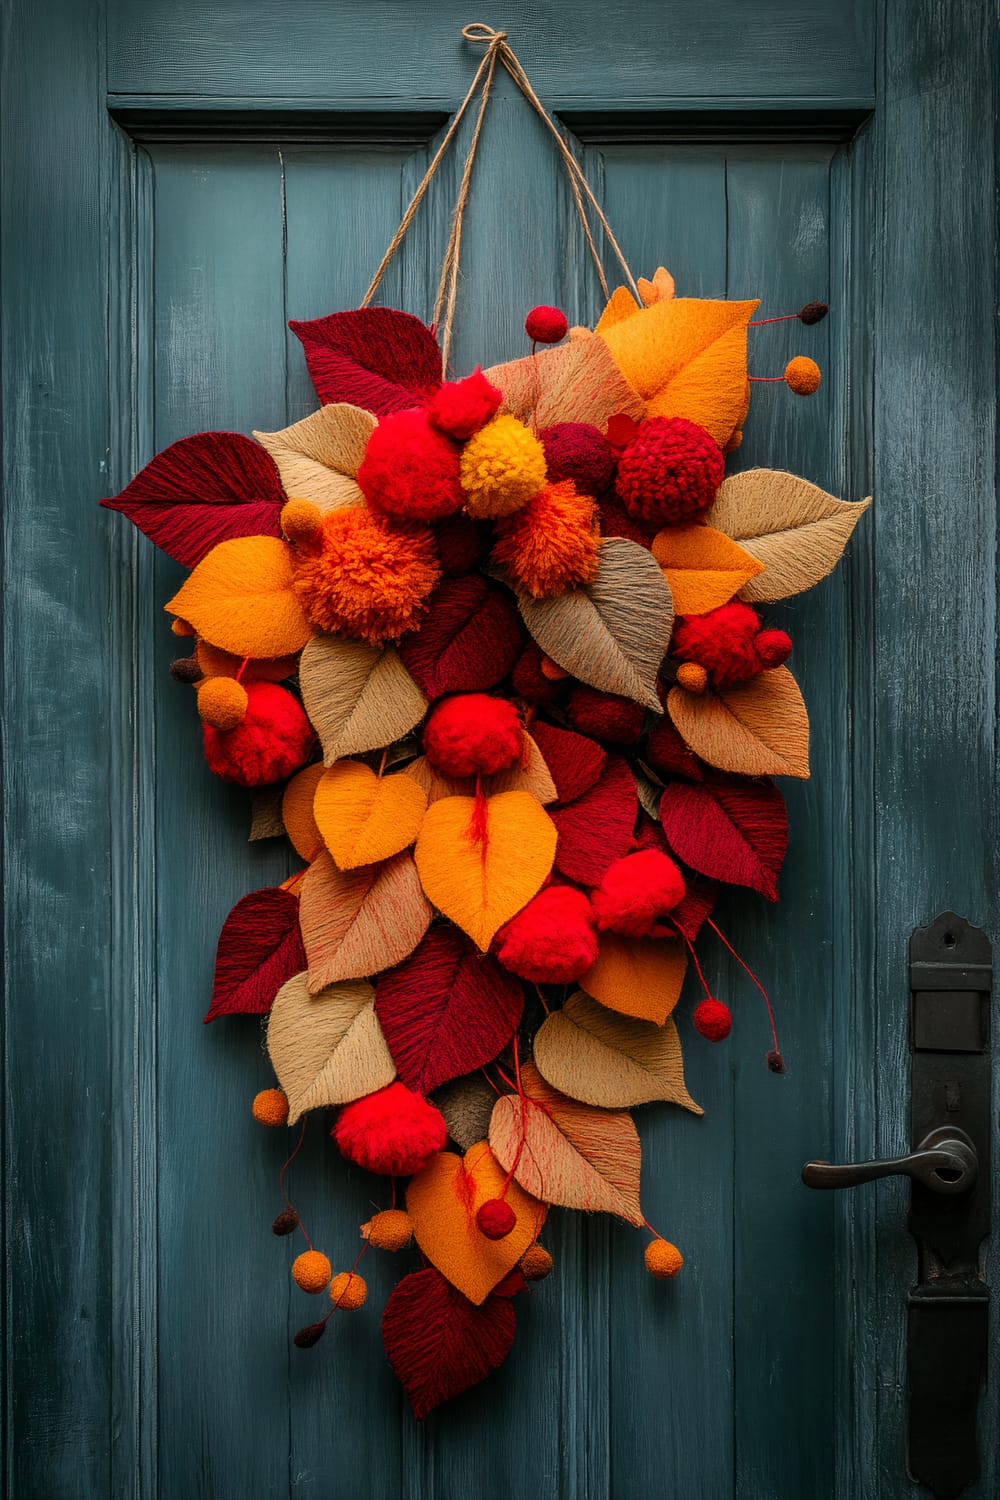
(945, 1162)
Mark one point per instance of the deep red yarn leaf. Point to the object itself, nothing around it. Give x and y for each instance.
(438, 1342)
(575, 761)
(446, 1010)
(597, 828)
(470, 638)
(700, 895)
(201, 491)
(374, 357)
(731, 830)
(260, 946)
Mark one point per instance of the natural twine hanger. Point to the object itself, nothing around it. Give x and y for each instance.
(497, 50)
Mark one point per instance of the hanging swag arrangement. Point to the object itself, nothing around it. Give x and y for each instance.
(489, 651)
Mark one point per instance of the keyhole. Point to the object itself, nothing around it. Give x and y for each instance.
(949, 940)
(949, 1174)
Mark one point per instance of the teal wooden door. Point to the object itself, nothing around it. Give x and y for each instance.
(181, 180)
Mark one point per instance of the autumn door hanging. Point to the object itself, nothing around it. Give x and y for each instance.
(488, 648)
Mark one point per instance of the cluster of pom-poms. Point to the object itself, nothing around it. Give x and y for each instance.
(271, 740)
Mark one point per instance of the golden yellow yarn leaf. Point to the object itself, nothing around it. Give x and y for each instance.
(703, 567)
(534, 777)
(481, 883)
(638, 977)
(366, 818)
(240, 598)
(297, 813)
(572, 1154)
(599, 1057)
(358, 697)
(795, 530)
(612, 633)
(359, 922)
(660, 289)
(621, 305)
(319, 457)
(574, 382)
(327, 1048)
(759, 728)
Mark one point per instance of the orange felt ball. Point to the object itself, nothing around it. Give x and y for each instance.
(536, 1263)
(270, 1107)
(348, 1291)
(389, 1230)
(222, 702)
(311, 1271)
(181, 627)
(692, 677)
(802, 375)
(663, 1259)
(300, 520)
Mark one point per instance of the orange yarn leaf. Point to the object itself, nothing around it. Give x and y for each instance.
(358, 697)
(319, 457)
(621, 305)
(365, 818)
(591, 1054)
(480, 885)
(297, 813)
(533, 777)
(660, 289)
(327, 1048)
(575, 382)
(442, 1201)
(639, 977)
(240, 598)
(703, 567)
(359, 922)
(759, 728)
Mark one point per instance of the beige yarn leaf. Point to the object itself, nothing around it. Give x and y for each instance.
(357, 697)
(319, 457)
(534, 777)
(575, 382)
(466, 1104)
(359, 922)
(759, 728)
(602, 1058)
(613, 633)
(328, 1048)
(795, 529)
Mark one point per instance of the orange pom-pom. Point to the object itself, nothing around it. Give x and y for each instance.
(392, 1229)
(348, 1291)
(222, 702)
(692, 677)
(802, 375)
(551, 544)
(301, 520)
(311, 1271)
(270, 1107)
(663, 1259)
(536, 1263)
(366, 579)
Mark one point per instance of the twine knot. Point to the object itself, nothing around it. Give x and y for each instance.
(478, 31)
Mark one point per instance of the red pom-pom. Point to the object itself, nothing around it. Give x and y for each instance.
(726, 643)
(495, 1219)
(461, 544)
(552, 939)
(472, 734)
(410, 470)
(546, 325)
(669, 472)
(531, 682)
(394, 1132)
(578, 451)
(773, 648)
(637, 893)
(713, 1020)
(272, 740)
(605, 716)
(461, 407)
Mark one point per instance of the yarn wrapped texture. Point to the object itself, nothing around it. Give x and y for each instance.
(669, 472)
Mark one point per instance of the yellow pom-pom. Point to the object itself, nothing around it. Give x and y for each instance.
(311, 1271)
(348, 1291)
(389, 1230)
(802, 375)
(300, 520)
(181, 627)
(663, 1259)
(692, 676)
(502, 467)
(270, 1107)
(222, 702)
(536, 1263)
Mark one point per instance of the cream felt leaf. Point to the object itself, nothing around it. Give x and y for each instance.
(319, 457)
(758, 728)
(357, 697)
(796, 530)
(479, 883)
(327, 1048)
(240, 597)
(359, 922)
(601, 1058)
(703, 567)
(365, 818)
(638, 977)
(533, 777)
(568, 1153)
(614, 633)
(576, 382)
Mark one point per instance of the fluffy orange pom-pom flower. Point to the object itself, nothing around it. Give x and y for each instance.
(551, 544)
(366, 578)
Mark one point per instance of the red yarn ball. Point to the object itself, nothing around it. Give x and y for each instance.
(495, 1219)
(394, 1131)
(461, 544)
(713, 1020)
(472, 734)
(773, 648)
(605, 716)
(272, 740)
(724, 642)
(546, 325)
(670, 471)
(637, 893)
(461, 407)
(578, 451)
(410, 470)
(530, 681)
(552, 939)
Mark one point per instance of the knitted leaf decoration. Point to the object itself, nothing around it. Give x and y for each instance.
(327, 1048)
(577, 382)
(297, 813)
(640, 977)
(703, 567)
(759, 728)
(470, 638)
(374, 357)
(533, 776)
(572, 1155)
(366, 818)
(240, 598)
(319, 457)
(259, 948)
(734, 831)
(597, 828)
(359, 922)
(202, 491)
(614, 632)
(796, 530)
(357, 697)
(593, 1055)
(574, 761)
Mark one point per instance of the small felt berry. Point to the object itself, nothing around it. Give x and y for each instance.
(348, 1291)
(495, 1219)
(663, 1259)
(536, 1263)
(186, 669)
(410, 469)
(605, 716)
(669, 472)
(637, 893)
(551, 940)
(773, 647)
(802, 375)
(222, 702)
(461, 407)
(273, 740)
(311, 1334)
(311, 1271)
(270, 1107)
(724, 642)
(713, 1020)
(546, 325)
(581, 452)
(473, 734)
(301, 520)
(692, 677)
(394, 1131)
(392, 1229)
(502, 466)
(286, 1222)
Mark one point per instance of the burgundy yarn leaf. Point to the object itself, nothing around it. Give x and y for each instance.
(373, 357)
(260, 946)
(575, 761)
(470, 638)
(439, 1343)
(201, 491)
(597, 828)
(446, 1010)
(732, 830)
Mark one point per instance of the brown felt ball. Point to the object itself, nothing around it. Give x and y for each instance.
(348, 1291)
(285, 1222)
(536, 1263)
(270, 1107)
(663, 1259)
(802, 375)
(186, 669)
(389, 1230)
(311, 1271)
(311, 1334)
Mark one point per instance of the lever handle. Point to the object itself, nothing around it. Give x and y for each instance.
(945, 1162)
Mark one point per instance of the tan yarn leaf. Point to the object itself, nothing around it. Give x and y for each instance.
(534, 777)
(466, 1104)
(358, 922)
(576, 382)
(572, 1154)
(614, 633)
(265, 814)
(328, 1048)
(598, 1057)
(357, 697)
(319, 457)
(795, 529)
(759, 728)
